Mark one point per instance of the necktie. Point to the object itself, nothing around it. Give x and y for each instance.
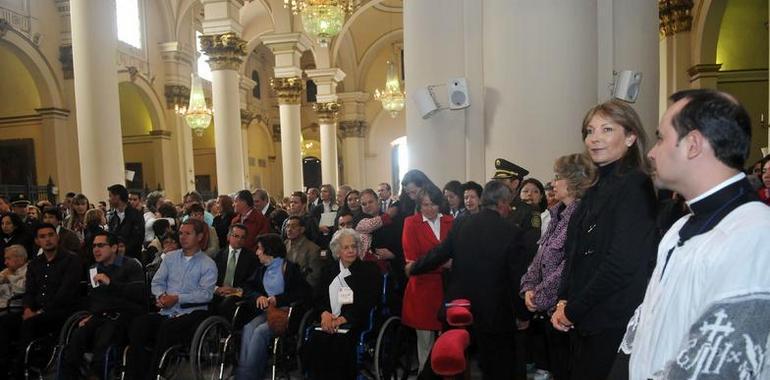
(230, 271)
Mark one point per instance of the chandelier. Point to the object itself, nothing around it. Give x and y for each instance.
(196, 115)
(392, 98)
(322, 18)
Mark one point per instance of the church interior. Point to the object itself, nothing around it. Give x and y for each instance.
(223, 95)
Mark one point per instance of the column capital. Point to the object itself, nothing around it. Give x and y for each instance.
(221, 16)
(225, 50)
(287, 49)
(704, 70)
(352, 128)
(675, 16)
(326, 82)
(327, 112)
(287, 90)
(177, 96)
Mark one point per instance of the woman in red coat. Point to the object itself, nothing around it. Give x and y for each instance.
(424, 293)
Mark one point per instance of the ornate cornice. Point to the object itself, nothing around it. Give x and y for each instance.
(352, 128)
(277, 133)
(225, 51)
(675, 16)
(287, 90)
(247, 117)
(704, 70)
(160, 132)
(327, 112)
(177, 95)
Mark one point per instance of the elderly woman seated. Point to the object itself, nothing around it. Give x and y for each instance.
(276, 284)
(349, 289)
(13, 277)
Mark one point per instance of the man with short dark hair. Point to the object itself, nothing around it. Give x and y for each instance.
(275, 215)
(183, 287)
(52, 294)
(125, 221)
(116, 296)
(385, 196)
(487, 265)
(135, 200)
(67, 238)
(66, 204)
(235, 264)
(704, 313)
(246, 214)
(312, 198)
(302, 251)
(298, 208)
(192, 198)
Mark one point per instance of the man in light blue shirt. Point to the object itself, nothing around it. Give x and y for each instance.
(183, 286)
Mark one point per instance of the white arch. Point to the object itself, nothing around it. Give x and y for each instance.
(41, 70)
(157, 111)
(335, 48)
(707, 20)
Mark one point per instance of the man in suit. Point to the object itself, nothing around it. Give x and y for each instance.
(487, 267)
(234, 266)
(385, 195)
(20, 206)
(274, 215)
(313, 198)
(511, 175)
(302, 251)
(67, 238)
(251, 217)
(125, 221)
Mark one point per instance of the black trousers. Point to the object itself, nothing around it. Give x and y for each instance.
(331, 356)
(592, 356)
(557, 346)
(496, 354)
(96, 336)
(151, 334)
(14, 329)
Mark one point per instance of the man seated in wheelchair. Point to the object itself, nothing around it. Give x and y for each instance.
(275, 285)
(115, 297)
(235, 264)
(52, 294)
(13, 277)
(183, 287)
(350, 289)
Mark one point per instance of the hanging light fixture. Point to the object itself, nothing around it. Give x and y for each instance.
(322, 18)
(197, 115)
(392, 97)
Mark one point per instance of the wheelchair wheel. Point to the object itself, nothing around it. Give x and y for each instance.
(170, 366)
(303, 324)
(394, 351)
(210, 348)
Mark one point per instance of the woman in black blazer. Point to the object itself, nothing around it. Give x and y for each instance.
(351, 288)
(611, 242)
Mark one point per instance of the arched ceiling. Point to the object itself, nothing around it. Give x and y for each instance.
(135, 117)
(18, 90)
(743, 37)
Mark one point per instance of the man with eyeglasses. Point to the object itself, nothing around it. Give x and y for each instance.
(116, 296)
(235, 263)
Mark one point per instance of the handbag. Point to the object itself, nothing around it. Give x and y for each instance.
(278, 319)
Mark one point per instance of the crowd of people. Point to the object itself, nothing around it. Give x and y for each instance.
(621, 266)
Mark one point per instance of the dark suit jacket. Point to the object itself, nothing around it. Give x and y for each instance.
(487, 268)
(610, 248)
(295, 288)
(366, 282)
(246, 266)
(131, 229)
(70, 241)
(276, 217)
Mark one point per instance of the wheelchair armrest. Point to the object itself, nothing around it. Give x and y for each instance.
(193, 304)
(448, 355)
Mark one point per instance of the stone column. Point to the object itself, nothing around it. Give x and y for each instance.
(675, 56)
(225, 53)
(353, 134)
(246, 118)
(276, 162)
(56, 154)
(288, 92)
(327, 108)
(327, 119)
(100, 141)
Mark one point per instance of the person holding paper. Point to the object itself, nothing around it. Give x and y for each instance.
(115, 298)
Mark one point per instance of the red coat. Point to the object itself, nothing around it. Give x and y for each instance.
(256, 224)
(424, 293)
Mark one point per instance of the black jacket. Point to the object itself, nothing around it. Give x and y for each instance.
(54, 285)
(365, 281)
(488, 261)
(125, 293)
(131, 229)
(276, 217)
(222, 225)
(246, 266)
(295, 288)
(611, 246)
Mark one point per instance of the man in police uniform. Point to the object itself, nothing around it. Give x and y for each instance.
(19, 204)
(522, 215)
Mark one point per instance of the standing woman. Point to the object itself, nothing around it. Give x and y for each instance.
(453, 192)
(424, 293)
(574, 174)
(223, 218)
(76, 221)
(611, 242)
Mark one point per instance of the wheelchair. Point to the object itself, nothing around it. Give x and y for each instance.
(385, 350)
